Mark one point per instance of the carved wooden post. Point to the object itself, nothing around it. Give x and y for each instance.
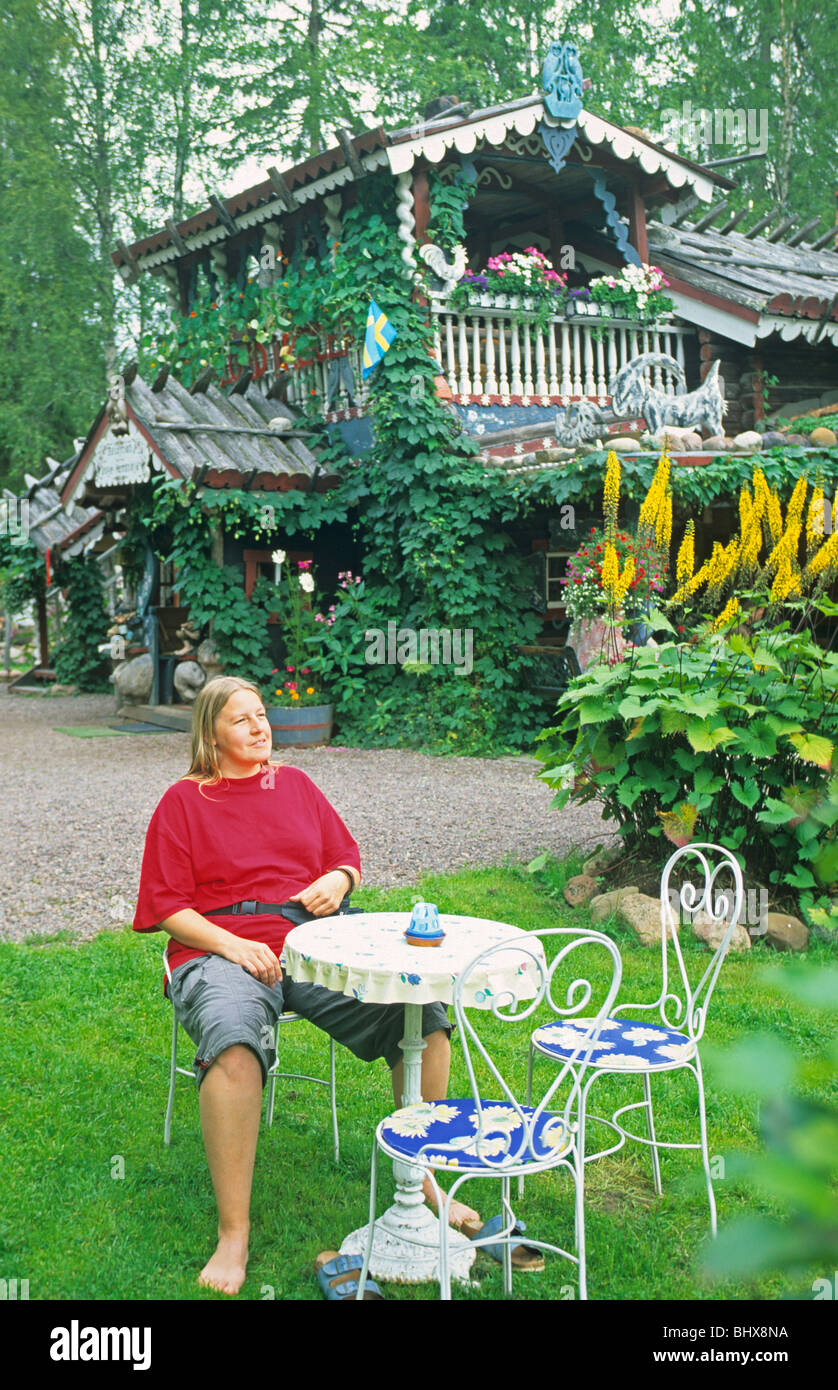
(637, 224)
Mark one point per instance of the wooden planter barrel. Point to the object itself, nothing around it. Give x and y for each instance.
(300, 726)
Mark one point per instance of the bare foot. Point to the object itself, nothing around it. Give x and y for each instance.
(225, 1270)
(458, 1212)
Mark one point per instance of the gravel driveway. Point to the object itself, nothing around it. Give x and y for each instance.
(76, 811)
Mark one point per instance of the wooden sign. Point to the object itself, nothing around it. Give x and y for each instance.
(121, 460)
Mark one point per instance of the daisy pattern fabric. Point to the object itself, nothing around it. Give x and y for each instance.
(625, 1044)
(366, 956)
(451, 1134)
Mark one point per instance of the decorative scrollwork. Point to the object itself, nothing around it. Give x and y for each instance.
(523, 144)
(486, 175)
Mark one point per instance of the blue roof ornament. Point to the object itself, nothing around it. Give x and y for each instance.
(561, 80)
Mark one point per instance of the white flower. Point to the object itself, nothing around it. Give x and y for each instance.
(502, 1117)
(307, 583)
(482, 1146)
(677, 1052)
(638, 1036)
(567, 1039)
(444, 1114)
(628, 1060)
(278, 557)
(442, 1160)
(412, 1119)
(554, 1135)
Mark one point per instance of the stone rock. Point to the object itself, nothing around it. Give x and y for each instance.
(643, 915)
(823, 436)
(602, 859)
(710, 931)
(208, 657)
(189, 678)
(604, 905)
(798, 440)
(280, 424)
(580, 889)
(773, 439)
(133, 680)
(786, 933)
(749, 440)
(716, 443)
(674, 434)
(624, 444)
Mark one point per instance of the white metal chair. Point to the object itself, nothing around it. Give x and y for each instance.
(500, 1138)
(273, 1074)
(632, 1045)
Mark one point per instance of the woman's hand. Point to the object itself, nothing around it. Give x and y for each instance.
(325, 895)
(257, 958)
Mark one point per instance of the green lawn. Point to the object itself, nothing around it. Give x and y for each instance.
(86, 1033)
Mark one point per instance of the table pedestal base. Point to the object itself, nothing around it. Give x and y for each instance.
(406, 1247)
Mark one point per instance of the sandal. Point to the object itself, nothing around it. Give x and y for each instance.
(525, 1258)
(335, 1276)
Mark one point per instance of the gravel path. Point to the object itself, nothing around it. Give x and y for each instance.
(76, 812)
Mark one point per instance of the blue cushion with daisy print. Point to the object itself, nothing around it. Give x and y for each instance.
(625, 1044)
(417, 1130)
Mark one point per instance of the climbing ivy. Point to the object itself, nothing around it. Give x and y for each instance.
(424, 509)
(22, 574)
(77, 659)
(448, 201)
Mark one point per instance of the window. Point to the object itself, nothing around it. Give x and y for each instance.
(556, 567)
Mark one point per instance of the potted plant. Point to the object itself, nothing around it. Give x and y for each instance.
(636, 293)
(514, 280)
(596, 605)
(303, 717)
(578, 302)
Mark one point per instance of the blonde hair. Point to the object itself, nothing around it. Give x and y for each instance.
(209, 702)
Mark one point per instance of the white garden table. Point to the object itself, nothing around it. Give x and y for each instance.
(366, 957)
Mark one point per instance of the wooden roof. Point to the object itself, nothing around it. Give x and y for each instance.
(430, 140)
(51, 526)
(768, 276)
(208, 437)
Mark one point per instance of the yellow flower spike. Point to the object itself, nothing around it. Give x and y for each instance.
(746, 508)
(686, 556)
(750, 547)
(730, 611)
(610, 571)
(624, 582)
(786, 584)
(663, 529)
(826, 560)
(775, 517)
(611, 493)
(815, 521)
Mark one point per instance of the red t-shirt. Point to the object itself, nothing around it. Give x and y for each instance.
(261, 838)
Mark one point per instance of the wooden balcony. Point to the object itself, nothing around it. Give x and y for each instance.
(495, 357)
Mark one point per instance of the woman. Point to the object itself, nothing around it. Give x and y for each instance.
(235, 830)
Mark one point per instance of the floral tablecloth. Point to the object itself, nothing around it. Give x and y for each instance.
(366, 956)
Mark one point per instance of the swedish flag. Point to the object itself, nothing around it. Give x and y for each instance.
(379, 335)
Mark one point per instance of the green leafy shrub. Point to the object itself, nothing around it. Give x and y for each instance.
(796, 1170)
(730, 739)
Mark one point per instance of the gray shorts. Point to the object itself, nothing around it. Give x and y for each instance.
(219, 1004)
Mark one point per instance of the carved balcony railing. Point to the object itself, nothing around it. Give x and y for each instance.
(492, 357)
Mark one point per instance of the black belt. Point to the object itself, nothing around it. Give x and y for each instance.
(291, 911)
